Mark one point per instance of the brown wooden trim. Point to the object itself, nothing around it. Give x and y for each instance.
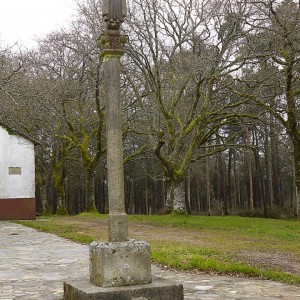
(17, 209)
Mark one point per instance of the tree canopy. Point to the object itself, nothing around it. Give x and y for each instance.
(210, 93)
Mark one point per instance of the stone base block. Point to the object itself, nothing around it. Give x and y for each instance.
(120, 263)
(158, 289)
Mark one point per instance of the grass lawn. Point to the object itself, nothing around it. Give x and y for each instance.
(232, 245)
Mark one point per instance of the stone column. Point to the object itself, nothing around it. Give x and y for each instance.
(118, 228)
(111, 44)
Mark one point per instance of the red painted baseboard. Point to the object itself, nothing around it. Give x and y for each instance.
(17, 209)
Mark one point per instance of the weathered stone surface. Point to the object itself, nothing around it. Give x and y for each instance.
(159, 289)
(120, 264)
(114, 12)
(118, 227)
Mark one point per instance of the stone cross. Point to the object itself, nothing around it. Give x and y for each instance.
(112, 46)
(121, 262)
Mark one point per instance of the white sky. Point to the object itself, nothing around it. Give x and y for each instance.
(24, 20)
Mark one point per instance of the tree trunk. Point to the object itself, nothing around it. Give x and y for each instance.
(294, 200)
(169, 200)
(89, 192)
(58, 180)
(164, 196)
(297, 174)
(259, 201)
(198, 193)
(278, 196)
(208, 187)
(131, 206)
(235, 203)
(229, 175)
(146, 195)
(43, 206)
(269, 182)
(176, 198)
(222, 184)
(249, 163)
(188, 193)
(179, 198)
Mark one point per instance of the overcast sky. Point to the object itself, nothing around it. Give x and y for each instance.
(24, 20)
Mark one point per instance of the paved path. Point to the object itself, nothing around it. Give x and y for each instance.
(33, 265)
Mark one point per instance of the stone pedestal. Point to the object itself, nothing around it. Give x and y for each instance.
(121, 271)
(158, 289)
(120, 264)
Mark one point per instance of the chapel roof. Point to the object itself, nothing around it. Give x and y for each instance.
(12, 131)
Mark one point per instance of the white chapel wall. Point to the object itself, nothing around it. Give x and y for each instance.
(17, 166)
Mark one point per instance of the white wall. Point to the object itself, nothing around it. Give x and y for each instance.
(16, 151)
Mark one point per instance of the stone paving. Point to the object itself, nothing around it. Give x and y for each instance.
(33, 265)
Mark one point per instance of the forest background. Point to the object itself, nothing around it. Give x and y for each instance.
(210, 93)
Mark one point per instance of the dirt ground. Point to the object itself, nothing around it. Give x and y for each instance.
(272, 260)
(275, 260)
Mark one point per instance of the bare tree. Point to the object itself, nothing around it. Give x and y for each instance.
(182, 52)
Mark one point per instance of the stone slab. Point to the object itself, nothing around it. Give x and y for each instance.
(158, 289)
(120, 263)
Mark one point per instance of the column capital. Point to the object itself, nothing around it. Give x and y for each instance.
(111, 44)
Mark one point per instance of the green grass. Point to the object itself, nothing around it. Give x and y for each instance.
(223, 236)
(206, 259)
(251, 233)
(253, 226)
(66, 231)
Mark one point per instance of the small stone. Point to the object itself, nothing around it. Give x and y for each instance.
(203, 288)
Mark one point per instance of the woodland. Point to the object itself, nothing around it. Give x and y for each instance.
(210, 94)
